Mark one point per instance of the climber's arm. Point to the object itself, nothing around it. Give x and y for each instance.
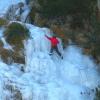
(47, 37)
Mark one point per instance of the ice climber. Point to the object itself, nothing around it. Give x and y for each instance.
(54, 42)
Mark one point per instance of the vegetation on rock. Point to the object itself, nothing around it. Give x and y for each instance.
(16, 33)
(79, 10)
(9, 56)
(15, 91)
(3, 22)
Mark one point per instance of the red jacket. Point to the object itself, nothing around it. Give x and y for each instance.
(54, 41)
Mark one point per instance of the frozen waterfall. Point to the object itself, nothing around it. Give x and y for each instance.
(49, 77)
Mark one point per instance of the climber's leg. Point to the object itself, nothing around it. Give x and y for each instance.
(51, 51)
(56, 49)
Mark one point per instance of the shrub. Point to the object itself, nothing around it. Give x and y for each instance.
(3, 22)
(95, 37)
(79, 10)
(1, 44)
(61, 7)
(15, 33)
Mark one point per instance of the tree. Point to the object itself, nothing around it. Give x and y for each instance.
(64, 7)
(79, 10)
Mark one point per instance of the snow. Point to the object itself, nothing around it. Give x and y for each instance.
(5, 4)
(6, 45)
(25, 14)
(47, 77)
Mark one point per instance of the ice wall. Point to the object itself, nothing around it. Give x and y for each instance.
(49, 77)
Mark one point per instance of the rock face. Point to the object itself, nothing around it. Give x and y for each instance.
(14, 11)
(8, 56)
(14, 34)
(14, 93)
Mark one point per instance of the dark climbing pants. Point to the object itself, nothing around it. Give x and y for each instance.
(55, 49)
(27, 1)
